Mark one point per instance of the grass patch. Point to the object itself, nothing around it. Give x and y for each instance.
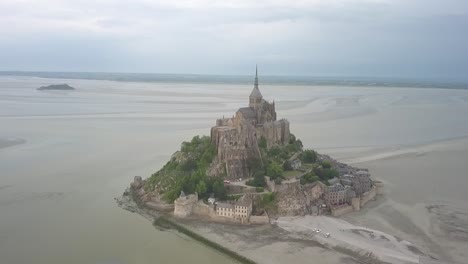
(234, 197)
(168, 224)
(292, 174)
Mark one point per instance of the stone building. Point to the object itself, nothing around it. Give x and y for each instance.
(236, 138)
(225, 209)
(338, 194)
(183, 206)
(365, 182)
(317, 190)
(243, 209)
(295, 164)
(240, 210)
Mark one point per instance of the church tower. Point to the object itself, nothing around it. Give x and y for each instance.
(255, 98)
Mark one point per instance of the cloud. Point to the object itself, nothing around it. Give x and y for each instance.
(317, 37)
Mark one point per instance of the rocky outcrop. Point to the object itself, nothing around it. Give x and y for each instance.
(234, 146)
(56, 87)
(292, 199)
(297, 199)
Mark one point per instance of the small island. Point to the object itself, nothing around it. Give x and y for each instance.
(56, 87)
(253, 180)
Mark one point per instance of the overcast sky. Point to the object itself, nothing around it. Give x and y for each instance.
(405, 38)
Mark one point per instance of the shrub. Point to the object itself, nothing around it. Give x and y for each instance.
(274, 170)
(287, 166)
(309, 156)
(292, 138)
(278, 181)
(330, 173)
(259, 189)
(326, 164)
(262, 143)
(257, 181)
(268, 202)
(309, 177)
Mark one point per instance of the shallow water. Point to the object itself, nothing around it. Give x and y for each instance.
(82, 148)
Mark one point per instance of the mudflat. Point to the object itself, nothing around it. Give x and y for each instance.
(82, 149)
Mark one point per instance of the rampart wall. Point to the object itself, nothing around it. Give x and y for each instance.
(366, 197)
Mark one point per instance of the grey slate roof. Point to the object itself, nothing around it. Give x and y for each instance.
(225, 205)
(244, 201)
(247, 112)
(256, 93)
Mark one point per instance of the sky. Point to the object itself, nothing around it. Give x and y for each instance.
(392, 38)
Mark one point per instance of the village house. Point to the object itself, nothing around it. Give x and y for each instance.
(243, 209)
(295, 164)
(240, 210)
(317, 190)
(225, 209)
(338, 194)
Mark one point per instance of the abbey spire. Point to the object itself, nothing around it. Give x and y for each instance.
(255, 97)
(256, 77)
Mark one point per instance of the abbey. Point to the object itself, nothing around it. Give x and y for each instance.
(237, 138)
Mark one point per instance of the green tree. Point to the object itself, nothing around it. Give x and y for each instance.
(254, 165)
(262, 143)
(278, 181)
(218, 189)
(330, 173)
(287, 166)
(326, 164)
(201, 188)
(292, 138)
(309, 177)
(309, 156)
(274, 170)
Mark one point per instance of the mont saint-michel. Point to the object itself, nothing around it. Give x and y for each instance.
(251, 169)
(252, 174)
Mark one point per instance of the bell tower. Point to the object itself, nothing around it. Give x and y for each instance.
(255, 97)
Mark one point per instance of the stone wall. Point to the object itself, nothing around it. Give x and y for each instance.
(271, 185)
(379, 187)
(234, 189)
(259, 220)
(159, 207)
(183, 206)
(356, 203)
(276, 132)
(341, 210)
(366, 197)
(203, 210)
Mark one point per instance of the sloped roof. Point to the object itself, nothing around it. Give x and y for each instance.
(225, 205)
(247, 112)
(256, 93)
(244, 201)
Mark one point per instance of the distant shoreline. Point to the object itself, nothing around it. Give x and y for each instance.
(246, 79)
(9, 142)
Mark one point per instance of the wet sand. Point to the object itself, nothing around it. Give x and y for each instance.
(425, 197)
(83, 148)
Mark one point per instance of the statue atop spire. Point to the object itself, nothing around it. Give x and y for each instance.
(255, 97)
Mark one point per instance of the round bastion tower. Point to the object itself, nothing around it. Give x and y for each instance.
(255, 98)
